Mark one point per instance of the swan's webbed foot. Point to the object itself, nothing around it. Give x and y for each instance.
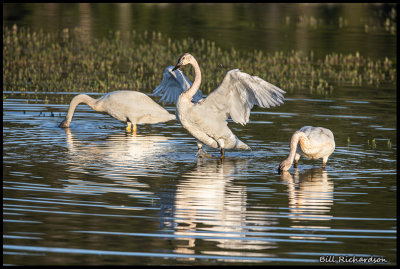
(201, 153)
(131, 128)
(128, 127)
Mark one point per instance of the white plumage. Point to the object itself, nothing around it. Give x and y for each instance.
(172, 85)
(310, 142)
(128, 106)
(206, 119)
(135, 107)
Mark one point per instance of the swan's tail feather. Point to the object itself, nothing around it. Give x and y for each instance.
(241, 145)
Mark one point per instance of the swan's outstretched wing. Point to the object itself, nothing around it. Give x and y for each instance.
(239, 92)
(172, 85)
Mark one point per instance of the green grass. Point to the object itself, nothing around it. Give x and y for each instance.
(68, 61)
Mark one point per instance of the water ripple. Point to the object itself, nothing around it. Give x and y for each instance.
(148, 254)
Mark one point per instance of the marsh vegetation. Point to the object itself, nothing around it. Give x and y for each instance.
(66, 61)
(94, 194)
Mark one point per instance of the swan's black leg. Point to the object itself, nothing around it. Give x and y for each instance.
(222, 153)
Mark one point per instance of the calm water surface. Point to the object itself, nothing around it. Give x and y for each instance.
(96, 195)
(99, 195)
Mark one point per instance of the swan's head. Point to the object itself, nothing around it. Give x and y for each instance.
(284, 165)
(184, 59)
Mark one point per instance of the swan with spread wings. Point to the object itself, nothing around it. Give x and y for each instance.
(206, 119)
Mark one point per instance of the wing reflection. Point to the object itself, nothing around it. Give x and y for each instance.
(310, 197)
(209, 207)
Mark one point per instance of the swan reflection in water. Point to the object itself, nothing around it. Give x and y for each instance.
(310, 199)
(121, 157)
(209, 204)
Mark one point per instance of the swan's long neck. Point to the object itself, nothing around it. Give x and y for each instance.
(304, 144)
(81, 98)
(197, 80)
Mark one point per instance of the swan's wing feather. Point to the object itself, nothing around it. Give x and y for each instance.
(172, 85)
(239, 92)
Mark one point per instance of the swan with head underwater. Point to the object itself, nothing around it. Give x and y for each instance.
(310, 142)
(131, 106)
(206, 119)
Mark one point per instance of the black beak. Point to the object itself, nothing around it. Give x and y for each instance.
(178, 64)
(176, 67)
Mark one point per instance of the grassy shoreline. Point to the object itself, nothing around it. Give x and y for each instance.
(68, 61)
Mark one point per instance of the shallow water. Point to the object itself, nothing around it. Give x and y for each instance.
(99, 195)
(96, 195)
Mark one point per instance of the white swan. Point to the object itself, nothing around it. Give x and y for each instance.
(235, 97)
(131, 106)
(310, 142)
(128, 106)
